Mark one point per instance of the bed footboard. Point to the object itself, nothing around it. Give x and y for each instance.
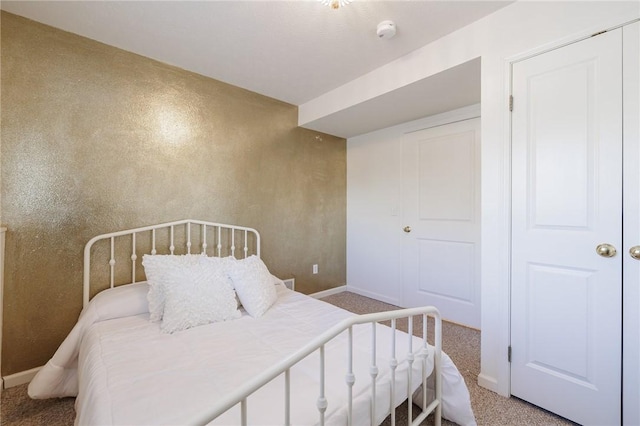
(421, 354)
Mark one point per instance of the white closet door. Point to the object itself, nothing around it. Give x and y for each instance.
(566, 313)
(440, 184)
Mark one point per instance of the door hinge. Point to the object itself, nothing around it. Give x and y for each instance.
(510, 102)
(509, 353)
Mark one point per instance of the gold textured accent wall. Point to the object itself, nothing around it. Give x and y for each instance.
(96, 139)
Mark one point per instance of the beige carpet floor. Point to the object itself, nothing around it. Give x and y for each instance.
(460, 343)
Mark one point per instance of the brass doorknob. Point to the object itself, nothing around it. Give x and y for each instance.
(606, 250)
(407, 229)
(635, 252)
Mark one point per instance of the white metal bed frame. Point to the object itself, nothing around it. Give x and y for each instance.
(240, 394)
(218, 230)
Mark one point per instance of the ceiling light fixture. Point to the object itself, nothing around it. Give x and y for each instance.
(335, 4)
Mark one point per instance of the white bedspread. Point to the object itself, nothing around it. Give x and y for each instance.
(124, 371)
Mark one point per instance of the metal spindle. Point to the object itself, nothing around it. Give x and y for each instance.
(153, 241)
(322, 401)
(233, 242)
(425, 353)
(350, 378)
(204, 239)
(393, 364)
(436, 368)
(175, 240)
(172, 247)
(410, 368)
(373, 371)
(112, 264)
(134, 257)
(188, 238)
(287, 397)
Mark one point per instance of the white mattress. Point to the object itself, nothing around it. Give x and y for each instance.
(129, 373)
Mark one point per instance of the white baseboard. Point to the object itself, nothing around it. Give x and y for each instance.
(372, 295)
(20, 378)
(488, 382)
(329, 292)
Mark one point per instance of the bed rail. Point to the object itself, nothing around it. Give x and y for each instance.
(240, 395)
(221, 239)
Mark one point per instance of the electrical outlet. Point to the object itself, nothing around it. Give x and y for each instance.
(315, 268)
(290, 283)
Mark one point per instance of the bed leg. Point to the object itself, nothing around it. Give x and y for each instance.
(393, 364)
(438, 367)
(287, 401)
(322, 401)
(243, 412)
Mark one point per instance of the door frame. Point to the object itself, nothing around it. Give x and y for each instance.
(631, 225)
(501, 383)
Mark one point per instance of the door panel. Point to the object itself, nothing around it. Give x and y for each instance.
(560, 182)
(566, 199)
(446, 269)
(549, 287)
(446, 167)
(441, 205)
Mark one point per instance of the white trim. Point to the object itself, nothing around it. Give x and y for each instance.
(570, 39)
(329, 292)
(449, 117)
(20, 378)
(373, 295)
(460, 114)
(631, 225)
(488, 382)
(501, 383)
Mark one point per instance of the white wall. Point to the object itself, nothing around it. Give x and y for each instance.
(521, 29)
(373, 217)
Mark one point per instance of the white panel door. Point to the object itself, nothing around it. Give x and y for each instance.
(566, 313)
(441, 210)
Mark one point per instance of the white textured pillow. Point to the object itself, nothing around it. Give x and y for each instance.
(156, 267)
(254, 285)
(196, 295)
(224, 263)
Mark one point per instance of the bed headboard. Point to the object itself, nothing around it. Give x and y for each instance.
(116, 258)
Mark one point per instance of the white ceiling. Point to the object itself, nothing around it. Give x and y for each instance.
(293, 51)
